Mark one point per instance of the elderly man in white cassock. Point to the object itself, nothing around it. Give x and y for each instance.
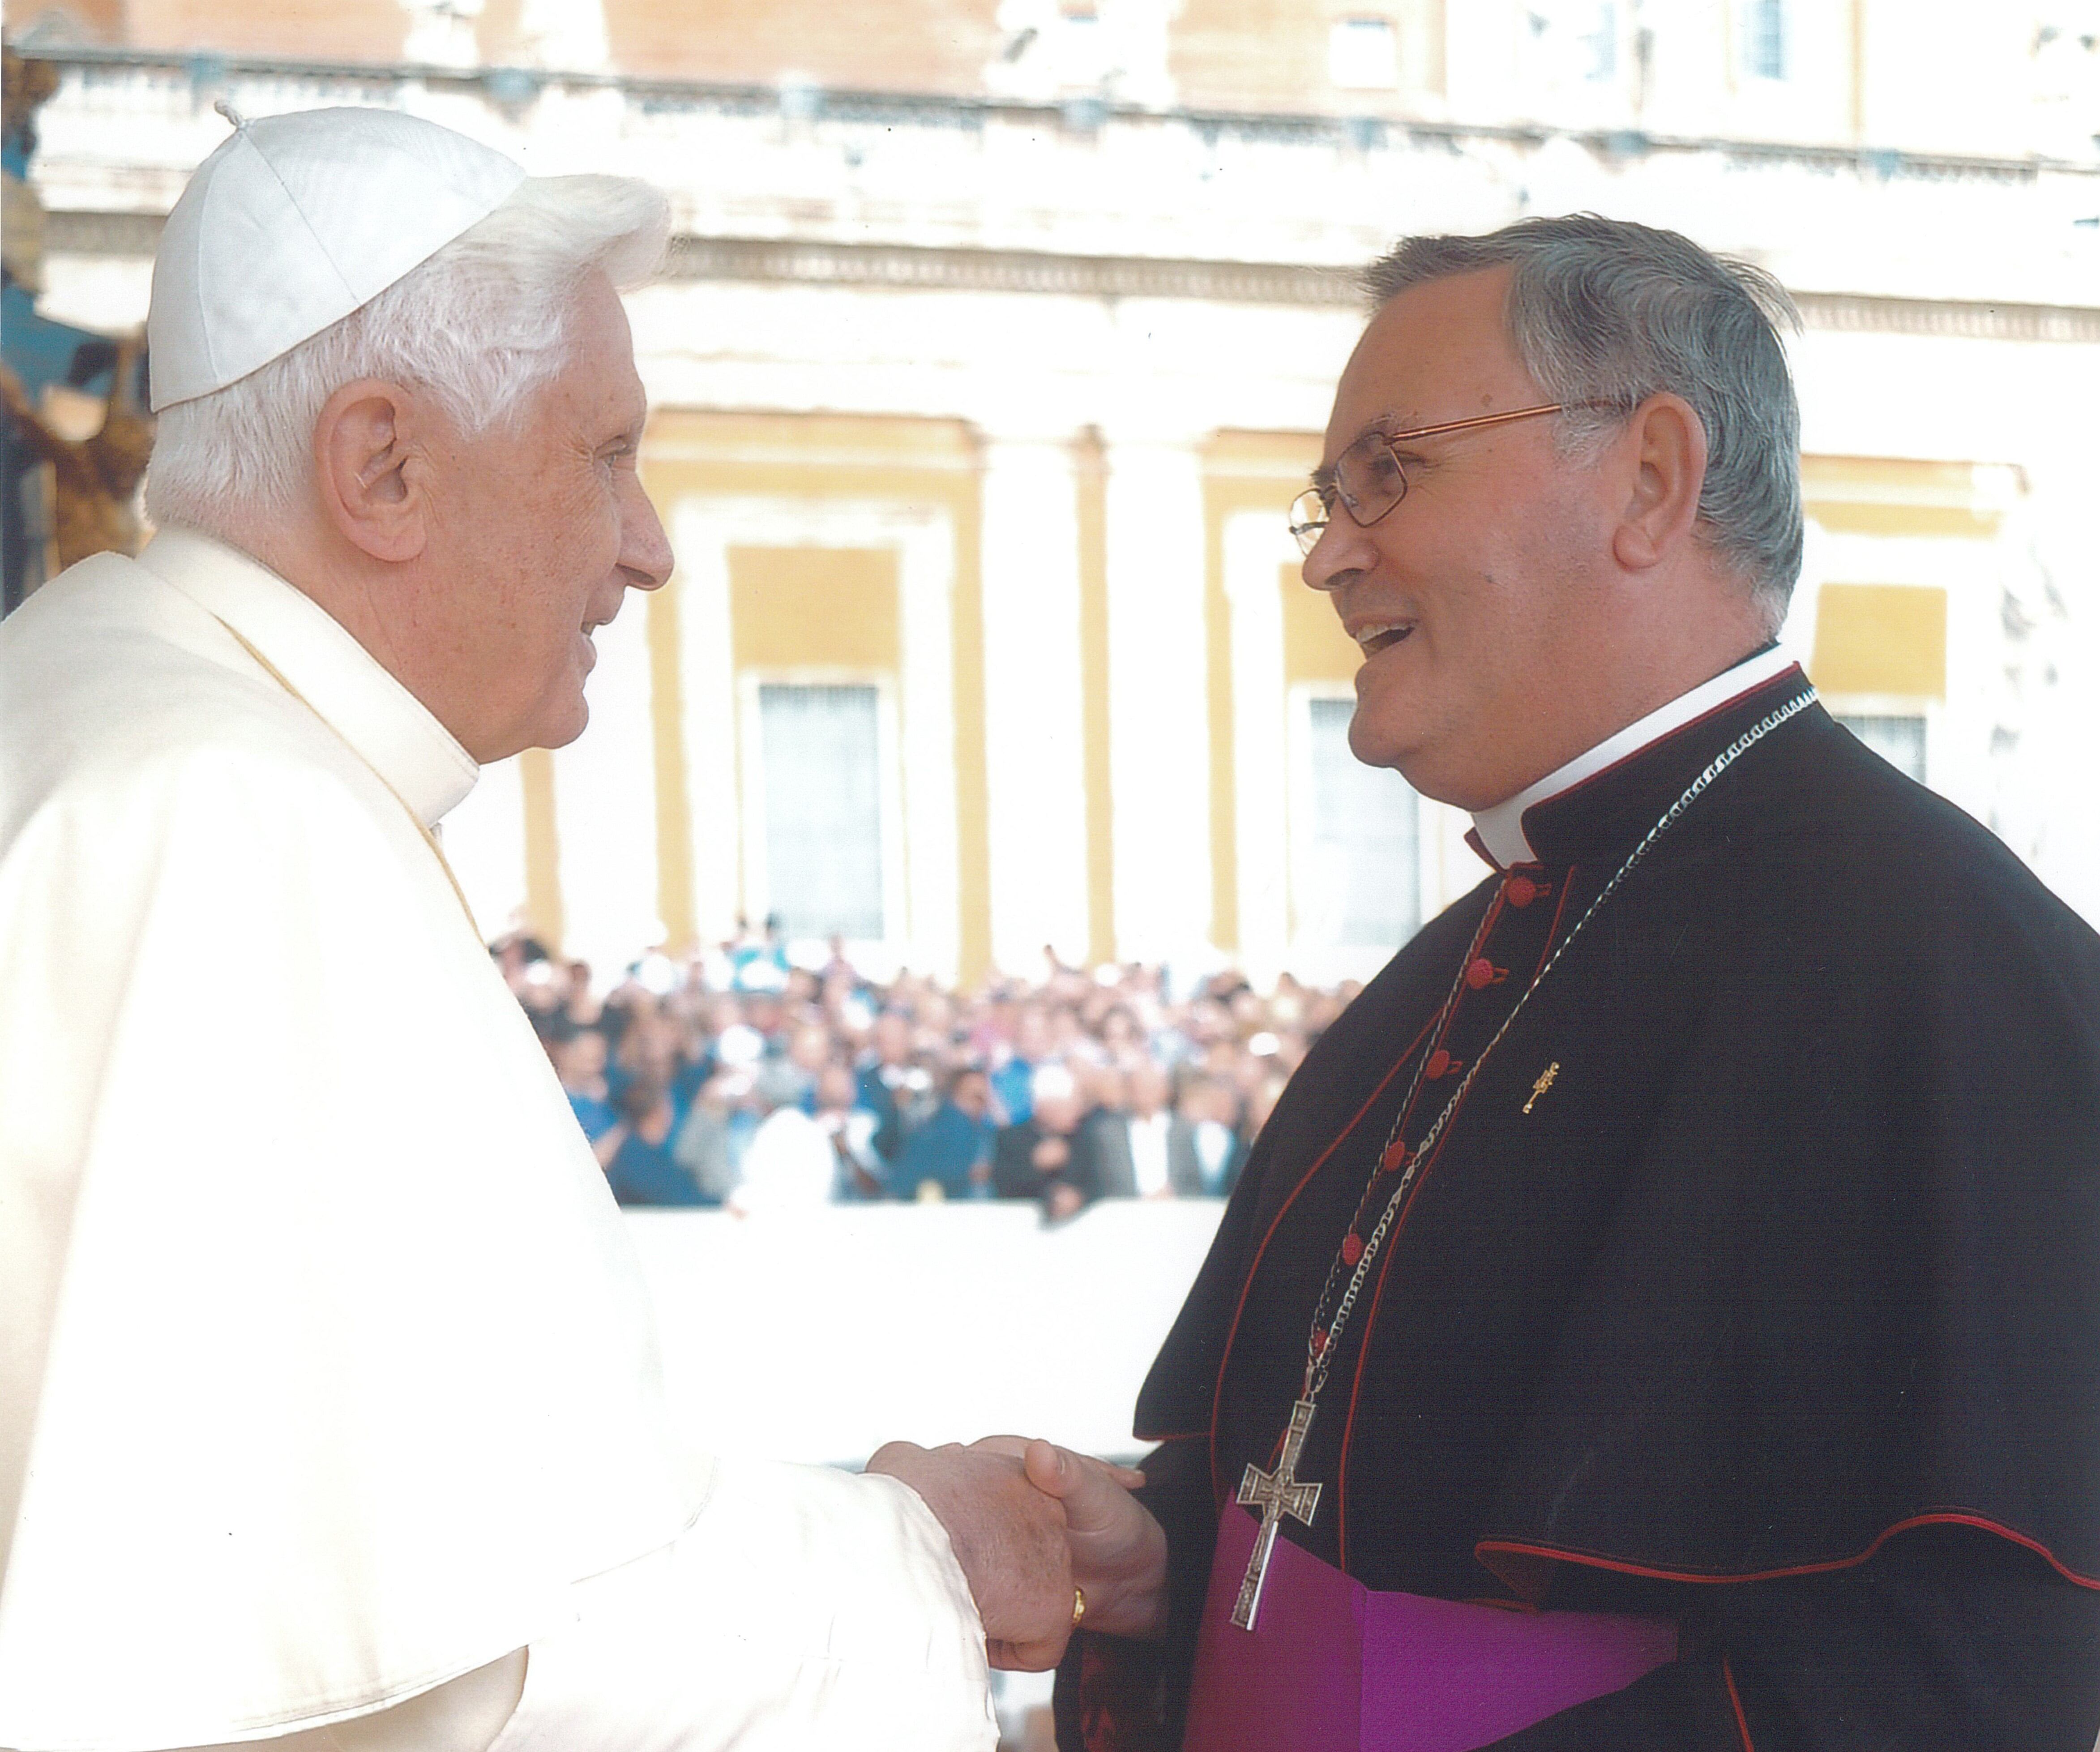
(329, 1412)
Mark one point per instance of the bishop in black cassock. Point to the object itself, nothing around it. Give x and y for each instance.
(1732, 1193)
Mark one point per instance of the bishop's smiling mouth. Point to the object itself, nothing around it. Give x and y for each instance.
(1378, 635)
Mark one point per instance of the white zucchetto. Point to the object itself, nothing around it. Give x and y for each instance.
(294, 223)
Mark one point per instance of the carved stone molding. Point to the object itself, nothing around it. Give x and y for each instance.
(896, 266)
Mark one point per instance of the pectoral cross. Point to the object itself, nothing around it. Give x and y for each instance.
(1277, 1494)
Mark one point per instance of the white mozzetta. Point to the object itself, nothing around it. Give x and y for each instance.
(329, 1370)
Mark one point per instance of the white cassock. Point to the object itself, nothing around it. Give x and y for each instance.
(326, 1372)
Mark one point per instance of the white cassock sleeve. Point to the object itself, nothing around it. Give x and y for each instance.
(806, 1607)
(327, 1373)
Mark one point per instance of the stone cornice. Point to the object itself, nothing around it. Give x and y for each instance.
(514, 88)
(900, 267)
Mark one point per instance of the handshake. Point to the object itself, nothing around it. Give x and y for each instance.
(1045, 1537)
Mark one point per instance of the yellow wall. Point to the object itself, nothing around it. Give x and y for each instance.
(1259, 472)
(1898, 496)
(543, 850)
(777, 593)
(793, 607)
(1315, 648)
(1880, 638)
(1095, 730)
(674, 815)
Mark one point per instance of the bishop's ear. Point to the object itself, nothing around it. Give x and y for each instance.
(369, 466)
(1666, 446)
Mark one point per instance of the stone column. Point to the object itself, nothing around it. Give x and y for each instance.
(605, 802)
(1158, 697)
(1034, 742)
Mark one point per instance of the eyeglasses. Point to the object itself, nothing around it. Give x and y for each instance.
(1369, 479)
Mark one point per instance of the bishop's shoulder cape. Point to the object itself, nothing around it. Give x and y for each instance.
(1769, 1229)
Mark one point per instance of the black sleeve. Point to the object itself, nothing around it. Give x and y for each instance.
(1013, 1171)
(1951, 1640)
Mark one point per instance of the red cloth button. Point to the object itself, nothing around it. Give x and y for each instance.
(1395, 1156)
(1440, 1061)
(1520, 891)
(1319, 1343)
(1352, 1247)
(1480, 973)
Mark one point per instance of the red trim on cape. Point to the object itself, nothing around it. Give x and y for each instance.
(1668, 736)
(1254, 1265)
(1400, 1222)
(1553, 930)
(1742, 1726)
(1363, 1344)
(1930, 1518)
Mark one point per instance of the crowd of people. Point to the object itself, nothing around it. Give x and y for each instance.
(738, 1079)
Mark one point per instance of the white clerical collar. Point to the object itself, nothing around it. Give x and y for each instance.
(1501, 828)
(391, 729)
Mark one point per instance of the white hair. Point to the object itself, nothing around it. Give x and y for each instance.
(482, 326)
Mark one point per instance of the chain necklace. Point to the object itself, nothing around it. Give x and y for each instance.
(1281, 1492)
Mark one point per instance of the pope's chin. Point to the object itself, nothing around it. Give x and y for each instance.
(556, 722)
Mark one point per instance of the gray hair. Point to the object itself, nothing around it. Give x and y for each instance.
(482, 326)
(1606, 312)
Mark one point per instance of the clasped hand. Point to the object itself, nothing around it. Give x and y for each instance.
(1030, 1523)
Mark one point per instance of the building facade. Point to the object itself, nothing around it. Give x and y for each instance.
(997, 334)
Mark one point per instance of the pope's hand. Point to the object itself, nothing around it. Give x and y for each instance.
(1008, 1535)
(1118, 1551)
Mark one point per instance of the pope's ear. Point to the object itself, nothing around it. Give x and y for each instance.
(1664, 447)
(369, 464)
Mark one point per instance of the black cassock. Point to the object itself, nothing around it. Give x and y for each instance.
(1775, 1307)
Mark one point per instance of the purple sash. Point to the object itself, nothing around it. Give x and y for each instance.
(1330, 1664)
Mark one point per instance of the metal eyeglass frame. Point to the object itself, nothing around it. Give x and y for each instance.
(1311, 510)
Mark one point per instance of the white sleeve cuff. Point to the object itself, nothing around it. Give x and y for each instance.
(805, 1608)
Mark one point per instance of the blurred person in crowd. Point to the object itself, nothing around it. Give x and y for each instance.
(580, 1004)
(890, 1083)
(766, 1016)
(579, 1061)
(1013, 1078)
(1148, 1135)
(385, 1464)
(759, 962)
(1043, 1157)
(790, 1164)
(738, 1045)
(649, 1046)
(636, 1153)
(1693, 1231)
(850, 1127)
(838, 968)
(1203, 1143)
(709, 1144)
(950, 1153)
(809, 1052)
(1103, 1136)
(1260, 1104)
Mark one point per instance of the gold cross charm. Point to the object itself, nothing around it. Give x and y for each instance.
(1277, 1494)
(1545, 1082)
